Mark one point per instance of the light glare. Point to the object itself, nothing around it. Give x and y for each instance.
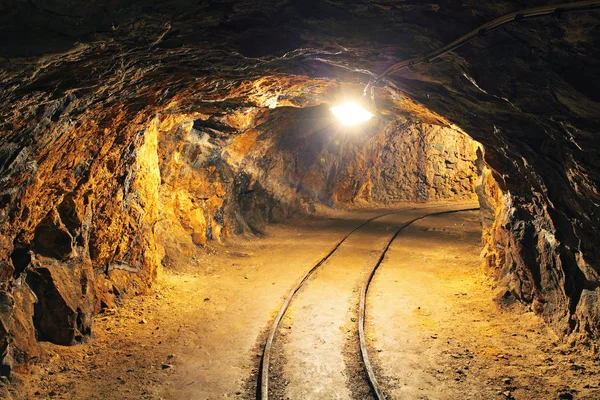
(351, 113)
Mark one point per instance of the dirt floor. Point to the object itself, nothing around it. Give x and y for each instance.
(434, 331)
(437, 334)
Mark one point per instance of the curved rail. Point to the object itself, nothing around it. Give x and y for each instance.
(363, 301)
(263, 392)
(263, 385)
(534, 12)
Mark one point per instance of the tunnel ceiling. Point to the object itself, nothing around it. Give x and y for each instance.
(88, 90)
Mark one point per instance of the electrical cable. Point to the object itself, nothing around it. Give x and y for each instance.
(554, 9)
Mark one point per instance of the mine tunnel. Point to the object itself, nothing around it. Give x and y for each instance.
(312, 199)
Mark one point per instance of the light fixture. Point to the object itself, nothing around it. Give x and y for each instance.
(351, 113)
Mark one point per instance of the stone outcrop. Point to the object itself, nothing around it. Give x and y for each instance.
(130, 132)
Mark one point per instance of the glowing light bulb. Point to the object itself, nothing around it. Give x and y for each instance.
(351, 113)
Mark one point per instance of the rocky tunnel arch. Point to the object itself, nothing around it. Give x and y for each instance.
(81, 126)
(195, 172)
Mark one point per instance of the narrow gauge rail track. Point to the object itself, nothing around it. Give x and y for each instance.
(263, 380)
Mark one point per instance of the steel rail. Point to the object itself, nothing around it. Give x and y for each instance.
(263, 380)
(363, 301)
(263, 392)
(535, 12)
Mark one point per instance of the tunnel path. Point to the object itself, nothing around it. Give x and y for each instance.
(197, 335)
(318, 334)
(412, 303)
(320, 317)
(432, 332)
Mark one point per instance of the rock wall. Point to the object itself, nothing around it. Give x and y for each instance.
(76, 224)
(202, 198)
(303, 155)
(524, 254)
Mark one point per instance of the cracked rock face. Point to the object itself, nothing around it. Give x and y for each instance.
(131, 132)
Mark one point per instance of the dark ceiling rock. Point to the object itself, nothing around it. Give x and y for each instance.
(88, 90)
